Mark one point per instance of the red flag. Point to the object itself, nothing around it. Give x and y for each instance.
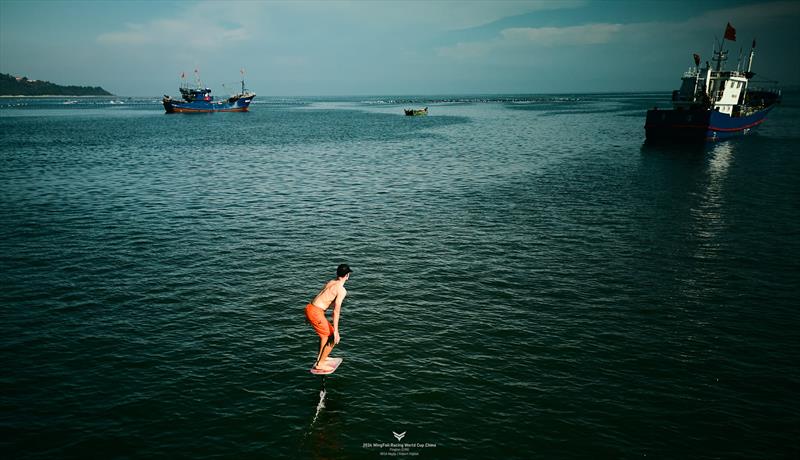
(730, 33)
(696, 59)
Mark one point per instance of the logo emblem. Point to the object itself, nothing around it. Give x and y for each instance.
(399, 436)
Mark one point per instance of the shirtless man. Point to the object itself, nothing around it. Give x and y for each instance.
(333, 292)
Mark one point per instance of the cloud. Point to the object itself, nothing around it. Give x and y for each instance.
(530, 37)
(207, 25)
(591, 34)
(441, 14)
(468, 50)
(169, 31)
(523, 39)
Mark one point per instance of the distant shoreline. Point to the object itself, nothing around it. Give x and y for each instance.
(11, 85)
(58, 95)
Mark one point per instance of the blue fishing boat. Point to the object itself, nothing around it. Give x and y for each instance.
(198, 99)
(713, 103)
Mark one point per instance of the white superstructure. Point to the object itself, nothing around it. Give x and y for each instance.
(720, 90)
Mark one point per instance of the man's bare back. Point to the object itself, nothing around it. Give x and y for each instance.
(329, 293)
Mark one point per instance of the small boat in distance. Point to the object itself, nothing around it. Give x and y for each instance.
(713, 103)
(198, 99)
(416, 112)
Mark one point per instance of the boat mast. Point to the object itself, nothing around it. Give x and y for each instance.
(197, 79)
(719, 56)
(696, 76)
(739, 61)
(749, 74)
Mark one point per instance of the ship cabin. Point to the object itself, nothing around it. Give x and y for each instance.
(196, 94)
(722, 91)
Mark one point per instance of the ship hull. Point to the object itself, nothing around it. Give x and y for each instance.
(238, 105)
(699, 125)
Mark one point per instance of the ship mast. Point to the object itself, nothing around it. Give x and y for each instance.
(720, 56)
(739, 61)
(730, 34)
(197, 79)
(749, 74)
(696, 76)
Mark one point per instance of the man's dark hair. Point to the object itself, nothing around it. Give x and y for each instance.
(342, 270)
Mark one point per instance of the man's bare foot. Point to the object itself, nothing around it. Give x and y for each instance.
(323, 368)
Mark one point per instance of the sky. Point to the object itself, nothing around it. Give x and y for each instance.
(333, 48)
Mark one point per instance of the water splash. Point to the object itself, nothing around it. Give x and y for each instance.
(320, 404)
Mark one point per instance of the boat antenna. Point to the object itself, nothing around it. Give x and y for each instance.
(242, 72)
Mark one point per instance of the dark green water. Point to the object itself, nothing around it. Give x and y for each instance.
(531, 281)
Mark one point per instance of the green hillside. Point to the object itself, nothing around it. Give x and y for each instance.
(11, 86)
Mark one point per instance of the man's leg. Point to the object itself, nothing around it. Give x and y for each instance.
(325, 347)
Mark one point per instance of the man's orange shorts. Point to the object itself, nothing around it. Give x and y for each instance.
(316, 316)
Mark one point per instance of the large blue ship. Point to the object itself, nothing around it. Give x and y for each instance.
(198, 99)
(713, 103)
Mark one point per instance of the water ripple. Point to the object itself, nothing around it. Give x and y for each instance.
(528, 279)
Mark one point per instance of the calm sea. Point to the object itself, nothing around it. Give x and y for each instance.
(530, 281)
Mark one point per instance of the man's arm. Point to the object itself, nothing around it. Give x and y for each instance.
(336, 310)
